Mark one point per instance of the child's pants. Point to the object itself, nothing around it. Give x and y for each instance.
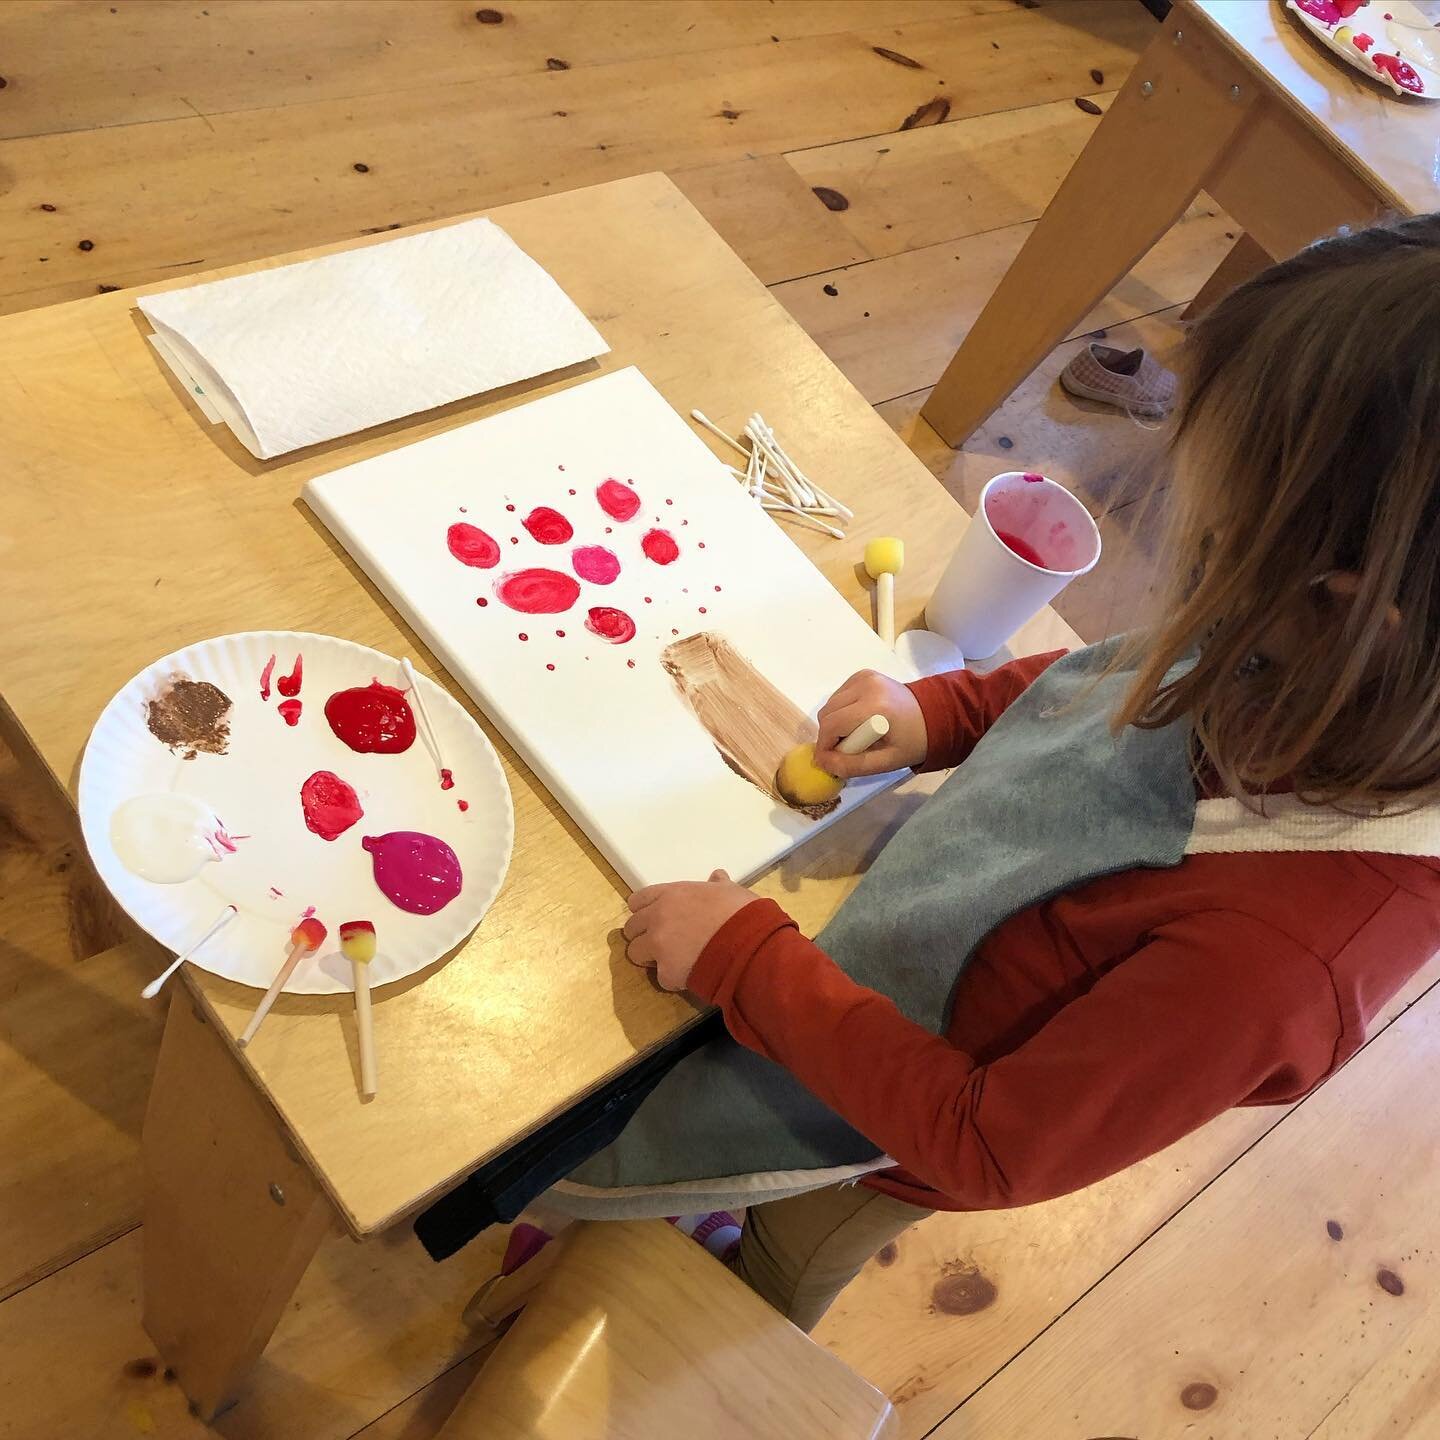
(799, 1254)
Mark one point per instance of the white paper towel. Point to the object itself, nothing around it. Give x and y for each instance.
(322, 348)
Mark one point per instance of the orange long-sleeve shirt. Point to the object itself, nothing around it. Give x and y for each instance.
(1096, 1027)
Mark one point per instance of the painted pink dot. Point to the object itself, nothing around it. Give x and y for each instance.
(596, 564)
(617, 500)
(472, 546)
(481, 601)
(547, 526)
(660, 546)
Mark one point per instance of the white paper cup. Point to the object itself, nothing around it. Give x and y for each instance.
(988, 590)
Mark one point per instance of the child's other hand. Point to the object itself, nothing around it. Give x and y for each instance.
(861, 696)
(670, 925)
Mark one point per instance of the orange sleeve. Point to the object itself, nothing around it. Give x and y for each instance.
(1195, 1021)
(961, 705)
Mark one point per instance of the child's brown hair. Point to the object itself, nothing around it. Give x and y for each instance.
(1306, 445)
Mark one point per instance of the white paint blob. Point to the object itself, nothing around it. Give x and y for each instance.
(164, 838)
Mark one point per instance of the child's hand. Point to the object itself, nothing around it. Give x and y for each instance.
(670, 925)
(861, 696)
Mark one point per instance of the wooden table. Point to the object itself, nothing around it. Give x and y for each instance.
(1233, 98)
(132, 527)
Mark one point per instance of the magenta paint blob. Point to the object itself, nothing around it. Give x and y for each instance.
(660, 546)
(538, 592)
(547, 526)
(618, 500)
(416, 872)
(596, 564)
(470, 545)
(330, 804)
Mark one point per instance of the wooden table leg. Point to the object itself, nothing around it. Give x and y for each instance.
(1167, 130)
(232, 1215)
(1245, 259)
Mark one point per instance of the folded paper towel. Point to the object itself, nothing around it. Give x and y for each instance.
(307, 352)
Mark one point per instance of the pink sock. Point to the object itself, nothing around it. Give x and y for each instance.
(718, 1232)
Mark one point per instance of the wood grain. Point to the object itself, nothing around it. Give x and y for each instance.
(1045, 1261)
(1307, 1263)
(148, 198)
(540, 1006)
(892, 324)
(639, 1332)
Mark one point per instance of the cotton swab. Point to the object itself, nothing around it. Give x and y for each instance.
(158, 983)
(431, 738)
(357, 945)
(701, 419)
(785, 509)
(308, 935)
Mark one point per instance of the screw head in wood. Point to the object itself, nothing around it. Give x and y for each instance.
(276, 1193)
(1147, 89)
(1179, 37)
(1234, 92)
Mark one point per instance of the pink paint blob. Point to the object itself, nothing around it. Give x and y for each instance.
(1031, 478)
(330, 805)
(610, 624)
(547, 526)
(1325, 11)
(660, 546)
(416, 872)
(265, 675)
(470, 545)
(372, 719)
(290, 684)
(447, 780)
(538, 592)
(290, 711)
(596, 564)
(618, 500)
(1022, 548)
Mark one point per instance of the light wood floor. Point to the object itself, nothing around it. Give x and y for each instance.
(877, 164)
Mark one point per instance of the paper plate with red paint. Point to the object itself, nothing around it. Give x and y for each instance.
(1391, 41)
(252, 769)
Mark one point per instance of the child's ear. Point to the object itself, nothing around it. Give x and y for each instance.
(1342, 586)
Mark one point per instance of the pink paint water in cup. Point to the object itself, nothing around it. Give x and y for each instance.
(1029, 538)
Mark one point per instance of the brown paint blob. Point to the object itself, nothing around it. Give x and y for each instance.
(190, 716)
(963, 1289)
(1389, 1282)
(887, 1254)
(1334, 1230)
(1199, 1395)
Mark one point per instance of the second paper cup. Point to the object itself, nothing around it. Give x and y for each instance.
(1029, 538)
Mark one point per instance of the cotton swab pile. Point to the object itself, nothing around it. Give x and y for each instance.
(776, 482)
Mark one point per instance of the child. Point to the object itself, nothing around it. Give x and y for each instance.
(1226, 864)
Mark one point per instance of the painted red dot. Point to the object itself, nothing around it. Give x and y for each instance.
(702, 610)
(674, 632)
(669, 502)
(523, 635)
(560, 634)
(481, 601)
(464, 510)
(472, 546)
(514, 539)
(595, 563)
(549, 667)
(684, 522)
(568, 492)
(610, 624)
(699, 544)
(630, 664)
(648, 600)
(510, 508)
(618, 500)
(609, 529)
(462, 805)
(561, 467)
(717, 589)
(660, 546)
(547, 526)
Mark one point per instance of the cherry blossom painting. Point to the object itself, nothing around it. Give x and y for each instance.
(554, 557)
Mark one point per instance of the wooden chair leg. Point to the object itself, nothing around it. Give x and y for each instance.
(232, 1216)
(1168, 128)
(1245, 259)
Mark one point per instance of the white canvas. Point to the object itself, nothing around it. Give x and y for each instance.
(306, 352)
(606, 730)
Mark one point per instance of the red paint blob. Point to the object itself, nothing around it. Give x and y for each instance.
(660, 546)
(331, 805)
(470, 545)
(462, 805)
(538, 592)
(618, 500)
(523, 635)
(290, 684)
(1363, 42)
(265, 675)
(1402, 74)
(290, 711)
(610, 624)
(1022, 548)
(447, 780)
(481, 601)
(547, 526)
(415, 872)
(596, 564)
(372, 719)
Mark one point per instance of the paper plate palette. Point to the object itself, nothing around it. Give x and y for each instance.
(1391, 41)
(247, 764)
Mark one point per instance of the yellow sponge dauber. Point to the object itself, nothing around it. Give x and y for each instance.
(884, 556)
(801, 781)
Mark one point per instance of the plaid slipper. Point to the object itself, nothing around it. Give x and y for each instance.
(1127, 379)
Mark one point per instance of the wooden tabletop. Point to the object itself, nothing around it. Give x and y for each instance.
(132, 527)
(1393, 140)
